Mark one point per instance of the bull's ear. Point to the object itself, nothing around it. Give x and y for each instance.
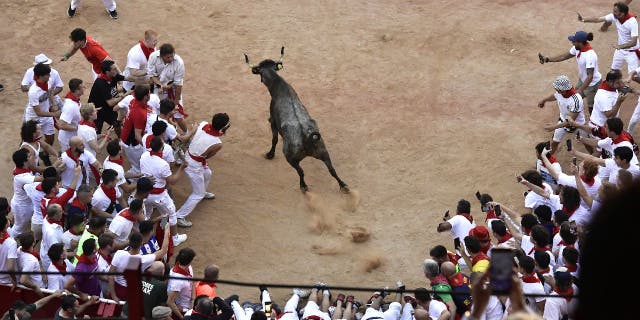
(279, 66)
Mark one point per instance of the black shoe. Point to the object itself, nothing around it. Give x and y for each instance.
(231, 298)
(71, 12)
(113, 14)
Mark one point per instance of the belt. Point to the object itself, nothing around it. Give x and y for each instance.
(157, 190)
(198, 158)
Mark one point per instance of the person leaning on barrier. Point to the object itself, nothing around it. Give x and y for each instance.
(22, 310)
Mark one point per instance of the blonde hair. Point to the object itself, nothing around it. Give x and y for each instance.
(86, 111)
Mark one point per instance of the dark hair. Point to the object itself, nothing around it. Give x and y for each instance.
(97, 222)
(158, 128)
(135, 206)
(485, 198)
(543, 212)
(26, 240)
(78, 34)
(533, 176)
(144, 185)
(615, 125)
(109, 175)
(422, 294)
(74, 220)
(624, 153)
(473, 244)
(438, 251)
(156, 144)
(55, 251)
(499, 227)
(139, 92)
(105, 66)
(50, 172)
(105, 240)
(570, 197)
(68, 301)
(219, 121)
(541, 146)
(589, 37)
(28, 129)
(41, 69)
(146, 226)
(540, 235)
(567, 234)
(166, 106)
(48, 184)
(4, 206)
(613, 75)
(3, 222)
(74, 84)
(166, 48)
(570, 255)
(185, 256)
(527, 263)
(258, 315)
(560, 216)
(528, 220)
(542, 258)
(113, 147)
(135, 240)
(623, 8)
(463, 206)
(20, 157)
(88, 246)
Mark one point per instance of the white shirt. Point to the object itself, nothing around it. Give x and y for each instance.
(201, 141)
(121, 227)
(156, 167)
(135, 60)
(118, 168)
(626, 30)
(20, 197)
(54, 79)
(167, 150)
(29, 263)
(87, 133)
(154, 103)
(436, 308)
(67, 174)
(67, 237)
(183, 287)
(101, 201)
(592, 190)
(71, 115)
(587, 60)
(611, 170)
(57, 281)
(36, 196)
(170, 133)
(460, 226)
(533, 288)
(604, 100)
(607, 144)
(51, 234)
(534, 200)
(8, 250)
(572, 104)
(121, 259)
(37, 97)
(173, 71)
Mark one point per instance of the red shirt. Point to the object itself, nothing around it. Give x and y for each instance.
(136, 119)
(95, 53)
(206, 288)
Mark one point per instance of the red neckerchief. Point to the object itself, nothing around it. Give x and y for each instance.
(544, 271)
(536, 248)
(109, 192)
(43, 86)
(478, 257)
(176, 268)
(468, 216)
(605, 86)
(70, 154)
(552, 160)
(556, 229)
(491, 214)
(569, 92)
(624, 136)
(18, 171)
(72, 97)
(75, 233)
(106, 258)
(125, 213)
(626, 17)
(562, 243)
(589, 182)
(146, 50)
(570, 211)
(453, 257)
(157, 154)
(61, 267)
(526, 231)
(571, 268)
(32, 252)
(88, 123)
(486, 248)
(530, 278)
(135, 103)
(52, 221)
(586, 48)
(147, 143)
(4, 237)
(118, 161)
(568, 292)
(457, 280)
(39, 187)
(86, 259)
(104, 77)
(210, 130)
(76, 203)
(505, 238)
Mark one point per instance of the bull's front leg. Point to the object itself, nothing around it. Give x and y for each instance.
(296, 165)
(274, 140)
(327, 161)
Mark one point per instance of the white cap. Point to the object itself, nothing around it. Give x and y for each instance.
(41, 58)
(562, 83)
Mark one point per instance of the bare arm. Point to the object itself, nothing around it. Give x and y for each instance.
(171, 303)
(42, 113)
(548, 165)
(92, 300)
(616, 107)
(545, 100)
(589, 141)
(629, 44)
(70, 285)
(582, 190)
(212, 151)
(63, 125)
(74, 48)
(112, 284)
(586, 81)
(585, 156)
(590, 19)
(561, 57)
(114, 101)
(25, 280)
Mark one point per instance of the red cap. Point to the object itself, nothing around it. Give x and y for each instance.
(480, 232)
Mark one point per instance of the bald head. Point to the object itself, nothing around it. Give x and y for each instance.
(53, 210)
(211, 272)
(75, 141)
(156, 268)
(421, 314)
(448, 268)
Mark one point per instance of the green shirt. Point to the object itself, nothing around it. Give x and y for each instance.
(443, 287)
(86, 235)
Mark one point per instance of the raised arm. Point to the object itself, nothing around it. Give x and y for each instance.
(590, 19)
(548, 165)
(561, 57)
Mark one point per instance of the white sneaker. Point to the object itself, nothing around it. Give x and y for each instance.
(301, 293)
(178, 239)
(209, 195)
(182, 222)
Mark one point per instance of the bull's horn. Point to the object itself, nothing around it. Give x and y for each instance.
(281, 53)
(246, 59)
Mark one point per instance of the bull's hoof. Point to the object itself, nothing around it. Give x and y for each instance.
(304, 189)
(269, 155)
(344, 189)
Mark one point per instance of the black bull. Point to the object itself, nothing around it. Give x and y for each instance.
(288, 116)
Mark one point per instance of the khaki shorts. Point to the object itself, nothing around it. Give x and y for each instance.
(589, 93)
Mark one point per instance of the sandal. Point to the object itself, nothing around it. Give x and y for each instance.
(340, 298)
(351, 299)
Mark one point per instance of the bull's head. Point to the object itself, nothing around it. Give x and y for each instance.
(265, 64)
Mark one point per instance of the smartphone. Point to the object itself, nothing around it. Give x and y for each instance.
(497, 210)
(170, 83)
(625, 89)
(478, 195)
(569, 145)
(501, 270)
(575, 161)
(547, 145)
(578, 135)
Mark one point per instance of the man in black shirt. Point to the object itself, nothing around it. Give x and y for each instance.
(105, 95)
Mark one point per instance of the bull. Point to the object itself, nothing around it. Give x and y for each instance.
(288, 117)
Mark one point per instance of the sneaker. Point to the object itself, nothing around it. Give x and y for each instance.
(182, 222)
(178, 239)
(113, 14)
(301, 292)
(71, 12)
(209, 195)
(320, 286)
(331, 310)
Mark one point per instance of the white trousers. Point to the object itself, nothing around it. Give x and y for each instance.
(108, 4)
(164, 204)
(622, 56)
(22, 215)
(635, 117)
(200, 177)
(133, 155)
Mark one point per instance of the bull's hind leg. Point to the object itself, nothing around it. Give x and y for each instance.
(327, 161)
(296, 165)
(274, 141)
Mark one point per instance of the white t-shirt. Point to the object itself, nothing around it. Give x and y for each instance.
(534, 200)
(154, 103)
(156, 167)
(611, 170)
(37, 97)
(57, 281)
(101, 201)
(170, 134)
(67, 237)
(587, 60)
(526, 245)
(607, 144)
(135, 60)
(67, 174)
(29, 263)
(121, 259)
(436, 308)
(167, 150)
(87, 133)
(604, 100)
(533, 288)
(8, 250)
(592, 190)
(121, 227)
(572, 104)
(626, 30)
(36, 196)
(183, 287)
(20, 197)
(51, 234)
(118, 168)
(460, 226)
(54, 79)
(71, 115)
